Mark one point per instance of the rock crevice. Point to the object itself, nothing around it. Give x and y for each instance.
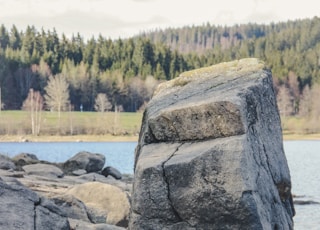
(167, 184)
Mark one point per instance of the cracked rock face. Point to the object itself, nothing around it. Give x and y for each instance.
(210, 153)
(22, 208)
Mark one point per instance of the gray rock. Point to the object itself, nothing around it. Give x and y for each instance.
(6, 163)
(305, 202)
(210, 153)
(48, 212)
(45, 170)
(22, 208)
(73, 207)
(91, 162)
(105, 203)
(23, 159)
(10, 180)
(111, 171)
(79, 172)
(81, 225)
(27, 157)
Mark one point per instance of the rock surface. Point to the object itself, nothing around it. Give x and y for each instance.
(82, 225)
(84, 160)
(74, 208)
(43, 170)
(6, 163)
(31, 175)
(110, 203)
(22, 208)
(111, 171)
(210, 153)
(23, 159)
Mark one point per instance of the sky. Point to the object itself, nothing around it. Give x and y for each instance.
(126, 18)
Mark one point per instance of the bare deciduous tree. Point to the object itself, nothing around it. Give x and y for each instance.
(305, 104)
(1, 103)
(57, 94)
(284, 101)
(34, 104)
(293, 86)
(102, 103)
(315, 105)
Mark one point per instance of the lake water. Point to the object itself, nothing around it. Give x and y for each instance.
(303, 159)
(118, 154)
(304, 163)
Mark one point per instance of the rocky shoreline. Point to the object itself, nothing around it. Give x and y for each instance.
(79, 193)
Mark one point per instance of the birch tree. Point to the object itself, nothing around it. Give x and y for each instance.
(34, 104)
(102, 103)
(284, 101)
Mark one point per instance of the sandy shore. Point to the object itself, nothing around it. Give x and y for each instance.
(289, 137)
(110, 138)
(77, 138)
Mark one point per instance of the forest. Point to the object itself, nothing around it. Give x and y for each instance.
(127, 70)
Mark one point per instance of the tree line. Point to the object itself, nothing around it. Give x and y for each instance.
(127, 70)
(290, 49)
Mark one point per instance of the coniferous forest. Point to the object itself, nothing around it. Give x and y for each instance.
(127, 70)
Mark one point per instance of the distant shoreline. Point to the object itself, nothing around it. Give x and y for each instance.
(111, 138)
(296, 137)
(76, 138)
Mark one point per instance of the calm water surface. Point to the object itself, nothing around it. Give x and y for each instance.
(118, 154)
(303, 159)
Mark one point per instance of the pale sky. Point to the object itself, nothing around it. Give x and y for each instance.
(125, 18)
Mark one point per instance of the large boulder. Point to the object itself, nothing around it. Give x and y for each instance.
(210, 153)
(106, 203)
(22, 208)
(91, 162)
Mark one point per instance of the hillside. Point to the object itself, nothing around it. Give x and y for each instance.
(286, 46)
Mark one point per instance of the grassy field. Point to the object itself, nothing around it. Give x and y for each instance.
(94, 126)
(108, 125)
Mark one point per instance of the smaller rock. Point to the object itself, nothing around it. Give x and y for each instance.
(43, 170)
(22, 208)
(96, 215)
(27, 157)
(91, 162)
(104, 199)
(112, 172)
(6, 163)
(82, 225)
(91, 177)
(11, 173)
(79, 172)
(305, 202)
(73, 207)
(11, 181)
(47, 212)
(23, 159)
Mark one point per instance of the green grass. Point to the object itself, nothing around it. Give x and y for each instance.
(109, 126)
(71, 123)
